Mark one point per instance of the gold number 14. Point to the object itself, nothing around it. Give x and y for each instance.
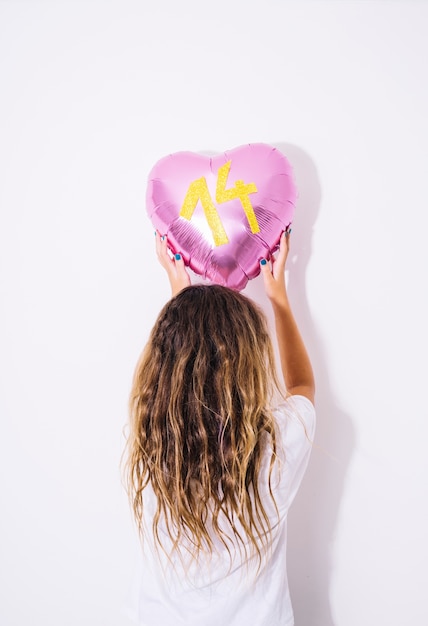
(198, 190)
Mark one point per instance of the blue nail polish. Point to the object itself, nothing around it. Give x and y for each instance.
(163, 238)
(263, 262)
(177, 257)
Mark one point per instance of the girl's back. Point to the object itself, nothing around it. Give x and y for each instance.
(212, 469)
(223, 588)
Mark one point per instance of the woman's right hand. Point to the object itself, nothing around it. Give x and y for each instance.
(175, 268)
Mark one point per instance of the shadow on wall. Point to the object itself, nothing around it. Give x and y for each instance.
(313, 516)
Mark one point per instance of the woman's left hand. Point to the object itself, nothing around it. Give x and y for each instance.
(175, 268)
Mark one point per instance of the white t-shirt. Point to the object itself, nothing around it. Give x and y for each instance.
(219, 592)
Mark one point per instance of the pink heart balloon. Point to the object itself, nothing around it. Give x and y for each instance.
(223, 213)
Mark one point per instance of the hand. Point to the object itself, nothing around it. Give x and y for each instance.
(274, 273)
(175, 268)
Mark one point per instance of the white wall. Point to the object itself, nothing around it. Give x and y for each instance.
(92, 94)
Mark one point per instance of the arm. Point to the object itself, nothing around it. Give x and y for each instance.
(295, 364)
(175, 268)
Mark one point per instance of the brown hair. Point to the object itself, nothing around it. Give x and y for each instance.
(200, 420)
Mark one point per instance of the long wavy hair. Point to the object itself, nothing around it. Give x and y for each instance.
(200, 422)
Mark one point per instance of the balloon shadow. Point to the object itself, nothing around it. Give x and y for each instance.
(313, 516)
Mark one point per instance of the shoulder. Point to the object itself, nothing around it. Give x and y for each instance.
(295, 428)
(296, 419)
(297, 408)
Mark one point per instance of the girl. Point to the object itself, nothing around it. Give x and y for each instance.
(212, 469)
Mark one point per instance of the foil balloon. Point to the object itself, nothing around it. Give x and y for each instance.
(224, 213)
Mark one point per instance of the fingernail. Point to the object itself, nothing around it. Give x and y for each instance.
(288, 232)
(163, 238)
(177, 257)
(263, 262)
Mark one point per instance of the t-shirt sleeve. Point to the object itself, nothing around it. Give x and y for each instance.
(296, 428)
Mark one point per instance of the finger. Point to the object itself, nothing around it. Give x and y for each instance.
(284, 245)
(178, 259)
(162, 249)
(158, 240)
(279, 262)
(283, 249)
(287, 237)
(266, 272)
(180, 265)
(159, 249)
(163, 256)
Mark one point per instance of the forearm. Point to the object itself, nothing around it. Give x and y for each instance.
(295, 363)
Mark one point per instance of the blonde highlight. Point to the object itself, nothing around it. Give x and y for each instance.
(200, 422)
